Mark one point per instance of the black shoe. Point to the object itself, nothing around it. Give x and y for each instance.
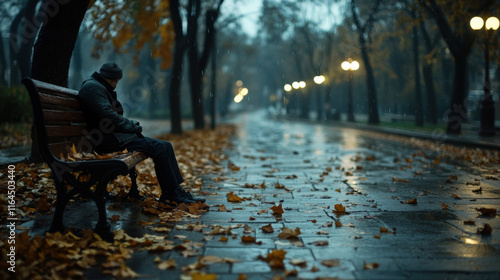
(189, 196)
(176, 196)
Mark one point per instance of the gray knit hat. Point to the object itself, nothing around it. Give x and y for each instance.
(111, 70)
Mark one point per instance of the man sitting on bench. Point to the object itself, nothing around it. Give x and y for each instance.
(103, 111)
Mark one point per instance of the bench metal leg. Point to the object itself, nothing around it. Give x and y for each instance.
(103, 228)
(134, 191)
(61, 201)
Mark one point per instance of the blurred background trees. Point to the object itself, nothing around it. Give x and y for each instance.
(419, 59)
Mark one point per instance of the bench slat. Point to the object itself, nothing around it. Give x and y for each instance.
(81, 145)
(54, 89)
(133, 158)
(63, 116)
(61, 102)
(65, 130)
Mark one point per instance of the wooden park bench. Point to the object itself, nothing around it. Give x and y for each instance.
(60, 128)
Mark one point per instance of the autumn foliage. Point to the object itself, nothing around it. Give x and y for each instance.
(131, 25)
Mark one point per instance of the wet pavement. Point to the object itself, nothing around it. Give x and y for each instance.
(309, 168)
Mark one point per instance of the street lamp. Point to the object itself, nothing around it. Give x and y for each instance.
(319, 79)
(487, 105)
(350, 65)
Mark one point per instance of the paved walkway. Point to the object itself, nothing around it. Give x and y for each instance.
(404, 218)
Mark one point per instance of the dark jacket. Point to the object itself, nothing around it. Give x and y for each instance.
(109, 130)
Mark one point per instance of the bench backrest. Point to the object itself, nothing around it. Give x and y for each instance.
(59, 122)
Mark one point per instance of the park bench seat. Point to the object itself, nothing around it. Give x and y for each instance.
(60, 129)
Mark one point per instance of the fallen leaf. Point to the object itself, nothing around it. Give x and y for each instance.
(384, 229)
(455, 196)
(275, 258)
(321, 243)
(231, 197)
(287, 233)
(480, 190)
(298, 262)
(232, 166)
(277, 209)
(370, 265)
(486, 230)
(410, 201)
(492, 212)
(247, 239)
(394, 179)
(267, 228)
(330, 263)
(340, 209)
(168, 264)
(328, 224)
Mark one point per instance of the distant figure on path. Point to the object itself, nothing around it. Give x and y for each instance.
(104, 112)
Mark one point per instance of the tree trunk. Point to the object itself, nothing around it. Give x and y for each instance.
(373, 116)
(460, 46)
(56, 40)
(195, 76)
(175, 87)
(3, 61)
(457, 113)
(429, 79)
(54, 46)
(213, 87)
(419, 111)
(364, 30)
(14, 46)
(176, 76)
(197, 64)
(30, 26)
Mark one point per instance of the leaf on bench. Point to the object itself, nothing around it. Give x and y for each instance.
(74, 155)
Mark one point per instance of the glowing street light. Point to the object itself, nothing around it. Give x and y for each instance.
(238, 98)
(319, 79)
(302, 84)
(287, 87)
(487, 105)
(350, 65)
(295, 85)
(244, 91)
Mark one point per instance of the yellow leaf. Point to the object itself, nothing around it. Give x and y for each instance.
(168, 264)
(231, 197)
(275, 258)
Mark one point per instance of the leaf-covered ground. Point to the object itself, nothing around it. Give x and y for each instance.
(68, 255)
(14, 134)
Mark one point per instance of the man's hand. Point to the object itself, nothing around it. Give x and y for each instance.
(138, 129)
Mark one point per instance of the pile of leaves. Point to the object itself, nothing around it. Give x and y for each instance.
(68, 255)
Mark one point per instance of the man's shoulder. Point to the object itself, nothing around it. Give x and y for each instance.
(89, 86)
